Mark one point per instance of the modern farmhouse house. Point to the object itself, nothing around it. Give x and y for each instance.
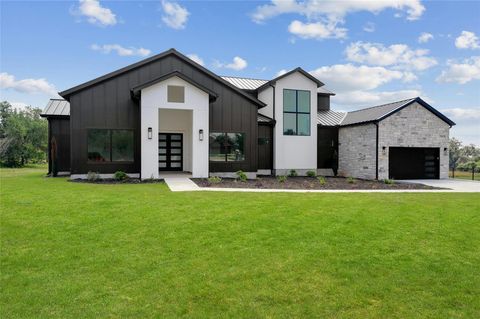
(168, 113)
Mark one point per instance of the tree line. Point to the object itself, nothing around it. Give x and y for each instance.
(463, 157)
(23, 136)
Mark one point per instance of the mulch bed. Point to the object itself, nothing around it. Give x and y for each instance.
(114, 181)
(338, 183)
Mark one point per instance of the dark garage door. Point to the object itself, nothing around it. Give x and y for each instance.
(414, 163)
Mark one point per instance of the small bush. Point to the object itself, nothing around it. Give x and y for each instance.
(389, 181)
(214, 180)
(351, 180)
(120, 176)
(93, 176)
(293, 173)
(322, 180)
(281, 178)
(241, 176)
(311, 174)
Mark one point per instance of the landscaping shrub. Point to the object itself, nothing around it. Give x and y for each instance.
(214, 180)
(389, 181)
(93, 176)
(293, 173)
(282, 178)
(120, 176)
(241, 176)
(351, 180)
(311, 174)
(322, 180)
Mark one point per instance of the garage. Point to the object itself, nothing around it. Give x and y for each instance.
(414, 163)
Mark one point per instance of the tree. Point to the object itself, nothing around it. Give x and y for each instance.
(23, 136)
(455, 153)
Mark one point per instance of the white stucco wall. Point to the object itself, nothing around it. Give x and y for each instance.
(356, 151)
(154, 98)
(413, 126)
(266, 96)
(178, 121)
(293, 152)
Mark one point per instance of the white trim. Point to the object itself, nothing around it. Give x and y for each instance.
(84, 176)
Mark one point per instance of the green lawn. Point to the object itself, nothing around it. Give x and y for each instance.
(71, 250)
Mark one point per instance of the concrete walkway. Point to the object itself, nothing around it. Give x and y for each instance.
(458, 185)
(184, 184)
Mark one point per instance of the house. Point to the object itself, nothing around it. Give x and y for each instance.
(168, 113)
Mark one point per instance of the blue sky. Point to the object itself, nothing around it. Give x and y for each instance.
(369, 53)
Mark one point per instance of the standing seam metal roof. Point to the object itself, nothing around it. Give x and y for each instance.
(330, 118)
(245, 83)
(56, 107)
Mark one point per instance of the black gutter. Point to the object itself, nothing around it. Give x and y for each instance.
(376, 152)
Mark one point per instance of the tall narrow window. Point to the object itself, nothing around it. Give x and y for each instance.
(296, 112)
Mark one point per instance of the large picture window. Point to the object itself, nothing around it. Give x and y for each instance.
(105, 145)
(227, 147)
(296, 112)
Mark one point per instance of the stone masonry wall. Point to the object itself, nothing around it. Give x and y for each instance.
(356, 151)
(413, 126)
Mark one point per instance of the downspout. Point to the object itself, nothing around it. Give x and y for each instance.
(376, 152)
(273, 131)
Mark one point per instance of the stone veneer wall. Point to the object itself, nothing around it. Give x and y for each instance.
(413, 126)
(356, 151)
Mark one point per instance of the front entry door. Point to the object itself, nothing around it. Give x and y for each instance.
(170, 151)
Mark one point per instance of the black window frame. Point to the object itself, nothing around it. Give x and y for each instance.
(226, 154)
(297, 112)
(110, 131)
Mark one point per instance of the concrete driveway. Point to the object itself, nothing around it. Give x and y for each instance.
(457, 185)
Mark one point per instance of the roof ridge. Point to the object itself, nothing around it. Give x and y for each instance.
(242, 77)
(372, 107)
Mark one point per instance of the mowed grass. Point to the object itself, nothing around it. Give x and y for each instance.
(464, 175)
(71, 250)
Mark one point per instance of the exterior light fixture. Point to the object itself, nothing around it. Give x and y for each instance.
(384, 150)
(445, 151)
(200, 135)
(149, 133)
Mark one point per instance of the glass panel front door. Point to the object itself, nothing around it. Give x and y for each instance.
(170, 152)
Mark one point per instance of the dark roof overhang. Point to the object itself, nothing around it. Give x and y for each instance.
(300, 70)
(135, 91)
(67, 93)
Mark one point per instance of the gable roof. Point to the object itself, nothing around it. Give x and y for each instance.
(302, 71)
(56, 107)
(245, 83)
(380, 112)
(137, 89)
(66, 93)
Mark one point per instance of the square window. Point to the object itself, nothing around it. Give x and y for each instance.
(176, 94)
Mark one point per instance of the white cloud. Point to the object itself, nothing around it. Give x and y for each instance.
(369, 27)
(96, 14)
(461, 73)
(316, 30)
(425, 37)
(397, 55)
(348, 77)
(175, 15)
(196, 58)
(467, 40)
(120, 50)
(335, 10)
(8, 81)
(19, 105)
(463, 114)
(355, 99)
(324, 16)
(237, 64)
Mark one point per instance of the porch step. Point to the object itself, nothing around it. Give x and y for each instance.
(181, 184)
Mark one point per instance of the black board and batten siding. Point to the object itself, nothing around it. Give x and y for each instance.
(108, 104)
(59, 127)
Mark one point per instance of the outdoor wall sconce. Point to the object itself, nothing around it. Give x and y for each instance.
(200, 135)
(445, 151)
(149, 133)
(384, 150)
